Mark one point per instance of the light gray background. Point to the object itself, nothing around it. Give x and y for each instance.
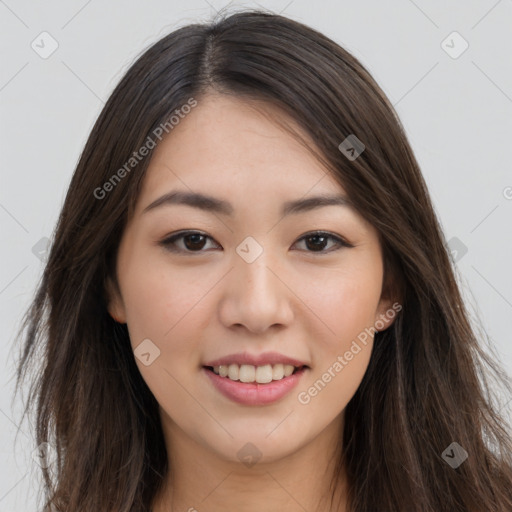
(457, 113)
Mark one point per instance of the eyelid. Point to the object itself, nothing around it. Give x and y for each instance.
(168, 241)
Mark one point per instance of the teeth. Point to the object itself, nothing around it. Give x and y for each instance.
(278, 372)
(249, 373)
(288, 369)
(263, 374)
(233, 371)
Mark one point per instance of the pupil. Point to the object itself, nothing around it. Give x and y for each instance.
(317, 237)
(194, 237)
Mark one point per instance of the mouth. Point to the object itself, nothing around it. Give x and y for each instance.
(254, 386)
(251, 374)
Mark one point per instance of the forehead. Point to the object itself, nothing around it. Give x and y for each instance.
(227, 144)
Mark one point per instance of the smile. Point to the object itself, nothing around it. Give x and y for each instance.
(251, 385)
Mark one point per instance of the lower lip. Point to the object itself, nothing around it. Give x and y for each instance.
(254, 393)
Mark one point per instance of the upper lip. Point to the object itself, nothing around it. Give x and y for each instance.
(256, 360)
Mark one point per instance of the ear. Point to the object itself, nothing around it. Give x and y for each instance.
(392, 294)
(115, 305)
(386, 313)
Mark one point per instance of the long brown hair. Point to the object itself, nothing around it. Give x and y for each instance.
(427, 384)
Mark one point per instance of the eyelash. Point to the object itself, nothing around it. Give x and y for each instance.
(169, 242)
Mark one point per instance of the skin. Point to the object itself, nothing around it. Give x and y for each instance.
(299, 298)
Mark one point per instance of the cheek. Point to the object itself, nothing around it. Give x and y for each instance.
(346, 305)
(169, 307)
(345, 300)
(165, 304)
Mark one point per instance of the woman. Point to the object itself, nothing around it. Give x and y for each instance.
(248, 303)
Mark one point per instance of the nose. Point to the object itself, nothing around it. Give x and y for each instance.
(255, 295)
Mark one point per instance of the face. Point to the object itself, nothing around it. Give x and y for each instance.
(199, 283)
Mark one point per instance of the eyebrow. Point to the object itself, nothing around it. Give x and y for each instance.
(213, 204)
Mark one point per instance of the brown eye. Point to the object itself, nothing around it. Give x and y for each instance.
(317, 241)
(193, 241)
